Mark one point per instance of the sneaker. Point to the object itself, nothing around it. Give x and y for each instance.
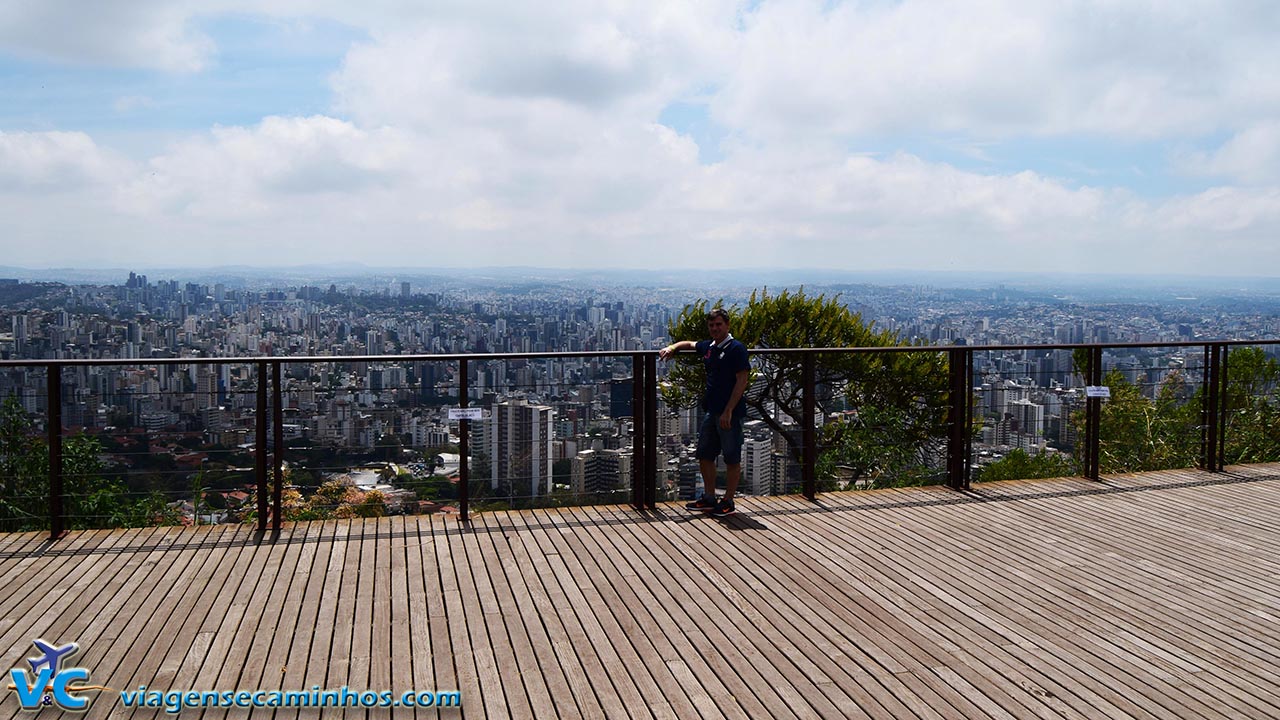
(724, 508)
(703, 503)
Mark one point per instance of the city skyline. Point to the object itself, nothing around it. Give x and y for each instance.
(1008, 137)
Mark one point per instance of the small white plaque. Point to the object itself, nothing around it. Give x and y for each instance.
(468, 413)
(1098, 391)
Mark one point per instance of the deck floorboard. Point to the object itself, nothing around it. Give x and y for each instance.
(1149, 595)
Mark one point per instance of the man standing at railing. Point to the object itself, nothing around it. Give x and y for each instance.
(728, 370)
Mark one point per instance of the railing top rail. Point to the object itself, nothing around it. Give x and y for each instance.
(447, 357)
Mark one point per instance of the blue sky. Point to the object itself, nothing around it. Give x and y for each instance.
(261, 67)
(1024, 136)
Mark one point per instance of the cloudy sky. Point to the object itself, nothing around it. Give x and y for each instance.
(1021, 135)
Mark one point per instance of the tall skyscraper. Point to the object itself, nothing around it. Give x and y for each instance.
(601, 471)
(518, 437)
(620, 396)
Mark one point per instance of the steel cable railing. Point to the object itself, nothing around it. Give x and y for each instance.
(268, 440)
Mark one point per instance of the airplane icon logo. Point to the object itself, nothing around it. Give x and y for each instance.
(50, 683)
(51, 656)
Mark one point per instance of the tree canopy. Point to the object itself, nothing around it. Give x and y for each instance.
(885, 411)
(90, 500)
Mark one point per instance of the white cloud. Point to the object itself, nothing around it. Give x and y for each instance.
(236, 172)
(482, 133)
(1251, 156)
(293, 190)
(1001, 67)
(140, 33)
(54, 162)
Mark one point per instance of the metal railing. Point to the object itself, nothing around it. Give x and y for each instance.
(956, 437)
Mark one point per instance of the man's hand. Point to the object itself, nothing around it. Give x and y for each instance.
(675, 347)
(726, 418)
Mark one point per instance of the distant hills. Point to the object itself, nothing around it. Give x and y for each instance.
(1080, 286)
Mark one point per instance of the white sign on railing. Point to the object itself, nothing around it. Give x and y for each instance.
(1098, 391)
(469, 413)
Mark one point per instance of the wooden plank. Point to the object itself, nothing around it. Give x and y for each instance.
(234, 629)
(1058, 600)
(1133, 610)
(267, 660)
(178, 616)
(384, 650)
(527, 544)
(362, 629)
(670, 681)
(414, 615)
(511, 638)
(880, 599)
(443, 673)
(20, 544)
(746, 664)
(1107, 652)
(130, 622)
(954, 605)
(486, 631)
(401, 645)
(203, 655)
(789, 633)
(338, 662)
(456, 623)
(40, 589)
(595, 648)
(179, 667)
(329, 645)
(877, 651)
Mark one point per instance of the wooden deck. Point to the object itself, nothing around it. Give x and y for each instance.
(1145, 596)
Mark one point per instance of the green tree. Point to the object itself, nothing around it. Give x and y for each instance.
(1252, 431)
(1138, 434)
(90, 500)
(372, 505)
(893, 399)
(1019, 465)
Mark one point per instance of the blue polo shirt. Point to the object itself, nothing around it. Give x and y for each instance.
(722, 363)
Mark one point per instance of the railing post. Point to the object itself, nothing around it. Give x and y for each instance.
(57, 519)
(1225, 396)
(1214, 408)
(1093, 414)
(638, 474)
(464, 428)
(809, 468)
(968, 413)
(277, 426)
(260, 446)
(651, 430)
(958, 418)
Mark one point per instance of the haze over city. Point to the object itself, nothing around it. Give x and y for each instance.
(994, 137)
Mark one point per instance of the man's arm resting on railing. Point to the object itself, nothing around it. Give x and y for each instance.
(676, 347)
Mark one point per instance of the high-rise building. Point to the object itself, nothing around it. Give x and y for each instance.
(620, 396)
(1029, 415)
(757, 458)
(518, 437)
(600, 471)
(206, 387)
(19, 333)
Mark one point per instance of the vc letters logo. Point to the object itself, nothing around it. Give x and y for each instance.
(49, 683)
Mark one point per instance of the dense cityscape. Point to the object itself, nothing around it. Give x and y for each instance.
(553, 428)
